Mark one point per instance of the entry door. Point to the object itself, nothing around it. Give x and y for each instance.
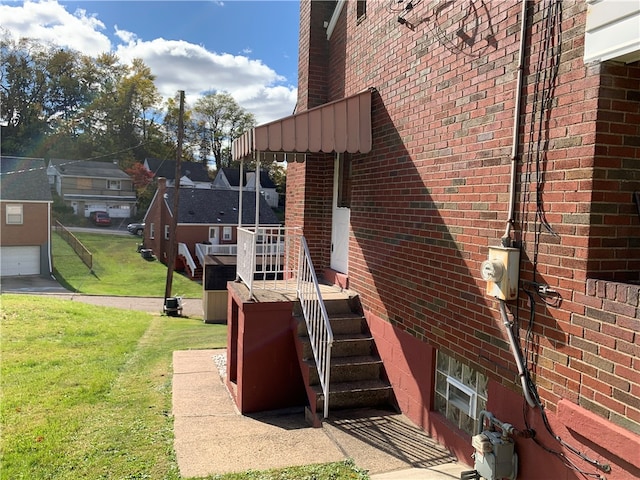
(213, 235)
(341, 213)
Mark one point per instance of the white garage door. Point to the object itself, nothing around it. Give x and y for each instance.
(19, 261)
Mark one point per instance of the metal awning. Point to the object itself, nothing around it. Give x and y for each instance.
(340, 126)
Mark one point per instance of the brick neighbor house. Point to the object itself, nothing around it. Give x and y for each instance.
(471, 170)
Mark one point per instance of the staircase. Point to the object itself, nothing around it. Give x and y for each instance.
(357, 377)
(195, 274)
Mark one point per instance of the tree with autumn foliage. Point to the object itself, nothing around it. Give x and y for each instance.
(143, 183)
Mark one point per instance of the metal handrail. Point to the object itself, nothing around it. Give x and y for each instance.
(316, 318)
(184, 251)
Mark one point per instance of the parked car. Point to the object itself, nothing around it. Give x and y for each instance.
(136, 228)
(100, 218)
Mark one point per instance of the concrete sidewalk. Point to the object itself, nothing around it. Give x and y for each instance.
(212, 437)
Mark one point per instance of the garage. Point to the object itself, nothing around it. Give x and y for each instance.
(19, 261)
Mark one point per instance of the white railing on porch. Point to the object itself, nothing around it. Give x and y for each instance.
(316, 318)
(204, 249)
(184, 251)
(279, 259)
(267, 257)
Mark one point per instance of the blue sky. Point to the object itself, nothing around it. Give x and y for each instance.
(247, 48)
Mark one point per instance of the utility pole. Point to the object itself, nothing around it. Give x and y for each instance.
(173, 224)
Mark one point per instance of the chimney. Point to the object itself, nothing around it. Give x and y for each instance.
(162, 186)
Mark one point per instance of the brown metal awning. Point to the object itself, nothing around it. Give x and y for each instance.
(340, 126)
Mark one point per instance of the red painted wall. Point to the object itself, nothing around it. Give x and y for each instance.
(433, 195)
(263, 367)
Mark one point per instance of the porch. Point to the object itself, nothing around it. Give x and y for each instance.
(294, 340)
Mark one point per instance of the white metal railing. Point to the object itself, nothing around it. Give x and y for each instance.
(273, 258)
(184, 251)
(204, 249)
(316, 318)
(267, 257)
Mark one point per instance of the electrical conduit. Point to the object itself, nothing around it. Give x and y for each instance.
(518, 356)
(516, 127)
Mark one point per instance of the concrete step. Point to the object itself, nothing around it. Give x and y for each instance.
(350, 345)
(363, 393)
(342, 323)
(334, 306)
(349, 369)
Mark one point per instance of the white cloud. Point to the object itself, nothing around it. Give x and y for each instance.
(126, 37)
(177, 64)
(49, 22)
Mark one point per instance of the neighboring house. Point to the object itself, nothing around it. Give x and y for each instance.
(206, 216)
(437, 157)
(89, 186)
(25, 213)
(192, 174)
(230, 178)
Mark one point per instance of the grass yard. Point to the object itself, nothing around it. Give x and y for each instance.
(117, 269)
(86, 390)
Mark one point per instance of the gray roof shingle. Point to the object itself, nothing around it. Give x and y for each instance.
(88, 168)
(209, 206)
(195, 171)
(233, 177)
(24, 179)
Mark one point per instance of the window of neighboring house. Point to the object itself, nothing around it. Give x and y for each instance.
(344, 181)
(152, 231)
(361, 10)
(113, 184)
(461, 392)
(226, 233)
(14, 215)
(166, 232)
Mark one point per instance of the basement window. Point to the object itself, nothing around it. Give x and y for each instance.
(460, 393)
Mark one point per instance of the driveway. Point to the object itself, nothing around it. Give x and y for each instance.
(37, 285)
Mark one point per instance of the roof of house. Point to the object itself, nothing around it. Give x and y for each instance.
(88, 168)
(24, 179)
(209, 206)
(195, 171)
(233, 176)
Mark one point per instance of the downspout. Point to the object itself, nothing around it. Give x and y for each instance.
(517, 355)
(49, 240)
(506, 241)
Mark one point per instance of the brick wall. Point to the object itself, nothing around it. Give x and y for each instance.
(614, 247)
(608, 364)
(433, 194)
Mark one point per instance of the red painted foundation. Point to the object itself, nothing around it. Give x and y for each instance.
(262, 367)
(410, 366)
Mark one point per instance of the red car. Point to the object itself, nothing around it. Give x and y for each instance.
(100, 218)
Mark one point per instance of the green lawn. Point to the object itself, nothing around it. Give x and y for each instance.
(118, 269)
(86, 390)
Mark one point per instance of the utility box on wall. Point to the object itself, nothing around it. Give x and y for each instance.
(501, 271)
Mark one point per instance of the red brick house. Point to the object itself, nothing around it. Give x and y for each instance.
(449, 134)
(25, 217)
(207, 217)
